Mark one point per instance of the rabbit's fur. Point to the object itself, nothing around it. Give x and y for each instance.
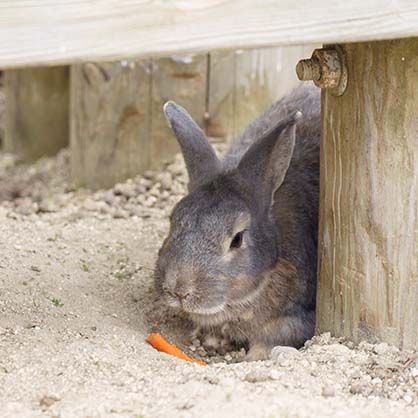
(240, 256)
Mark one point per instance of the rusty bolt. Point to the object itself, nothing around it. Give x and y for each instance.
(326, 68)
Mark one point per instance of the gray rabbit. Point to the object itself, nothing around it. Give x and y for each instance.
(240, 256)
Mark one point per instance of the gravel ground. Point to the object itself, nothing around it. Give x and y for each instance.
(76, 304)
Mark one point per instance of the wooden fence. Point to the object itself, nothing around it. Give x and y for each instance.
(115, 124)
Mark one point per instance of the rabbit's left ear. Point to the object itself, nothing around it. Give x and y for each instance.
(199, 156)
(265, 164)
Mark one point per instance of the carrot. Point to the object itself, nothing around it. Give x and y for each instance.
(160, 344)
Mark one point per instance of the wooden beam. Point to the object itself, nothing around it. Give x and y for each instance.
(368, 238)
(37, 107)
(110, 122)
(39, 32)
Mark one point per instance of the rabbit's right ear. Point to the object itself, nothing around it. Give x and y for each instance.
(199, 156)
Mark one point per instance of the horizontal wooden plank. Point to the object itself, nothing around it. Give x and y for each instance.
(37, 32)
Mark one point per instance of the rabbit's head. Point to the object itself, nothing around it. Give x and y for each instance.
(222, 236)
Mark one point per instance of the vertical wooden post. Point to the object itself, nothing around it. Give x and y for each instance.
(180, 78)
(368, 237)
(36, 119)
(110, 121)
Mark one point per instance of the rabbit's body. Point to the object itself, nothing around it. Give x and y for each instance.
(240, 257)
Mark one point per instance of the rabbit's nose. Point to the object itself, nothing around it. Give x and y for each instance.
(181, 293)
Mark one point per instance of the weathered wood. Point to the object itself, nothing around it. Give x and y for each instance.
(220, 93)
(243, 83)
(262, 76)
(36, 118)
(35, 32)
(110, 122)
(368, 238)
(181, 78)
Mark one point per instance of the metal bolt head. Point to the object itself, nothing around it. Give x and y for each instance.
(326, 68)
(308, 69)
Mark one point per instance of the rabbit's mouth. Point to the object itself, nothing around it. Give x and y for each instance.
(202, 311)
(191, 307)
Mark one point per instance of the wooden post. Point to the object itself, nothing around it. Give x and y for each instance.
(180, 78)
(110, 121)
(368, 237)
(118, 128)
(36, 119)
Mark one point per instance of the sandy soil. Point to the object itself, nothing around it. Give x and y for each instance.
(76, 304)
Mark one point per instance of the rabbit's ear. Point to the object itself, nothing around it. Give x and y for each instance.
(201, 160)
(265, 164)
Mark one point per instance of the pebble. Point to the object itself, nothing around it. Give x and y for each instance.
(228, 357)
(338, 349)
(48, 400)
(255, 376)
(275, 374)
(381, 348)
(328, 391)
(165, 180)
(284, 351)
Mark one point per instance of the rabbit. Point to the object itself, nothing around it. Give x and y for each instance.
(240, 257)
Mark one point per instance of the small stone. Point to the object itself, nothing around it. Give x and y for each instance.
(365, 346)
(184, 406)
(376, 381)
(328, 391)
(338, 349)
(355, 387)
(47, 206)
(275, 374)
(176, 168)
(155, 190)
(407, 398)
(228, 357)
(125, 189)
(213, 380)
(381, 348)
(150, 201)
(110, 198)
(48, 400)
(256, 376)
(355, 373)
(196, 342)
(284, 351)
(120, 214)
(201, 351)
(165, 180)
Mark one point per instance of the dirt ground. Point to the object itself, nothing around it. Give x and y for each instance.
(76, 304)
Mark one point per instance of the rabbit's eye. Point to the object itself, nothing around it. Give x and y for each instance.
(237, 241)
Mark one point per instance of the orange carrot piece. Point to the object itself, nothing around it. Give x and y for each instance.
(160, 344)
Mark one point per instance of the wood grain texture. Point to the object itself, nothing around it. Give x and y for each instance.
(36, 117)
(368, 239)
(263, 76)
(181, 78)
(110, 122)
(221, 95)
(37, 32)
